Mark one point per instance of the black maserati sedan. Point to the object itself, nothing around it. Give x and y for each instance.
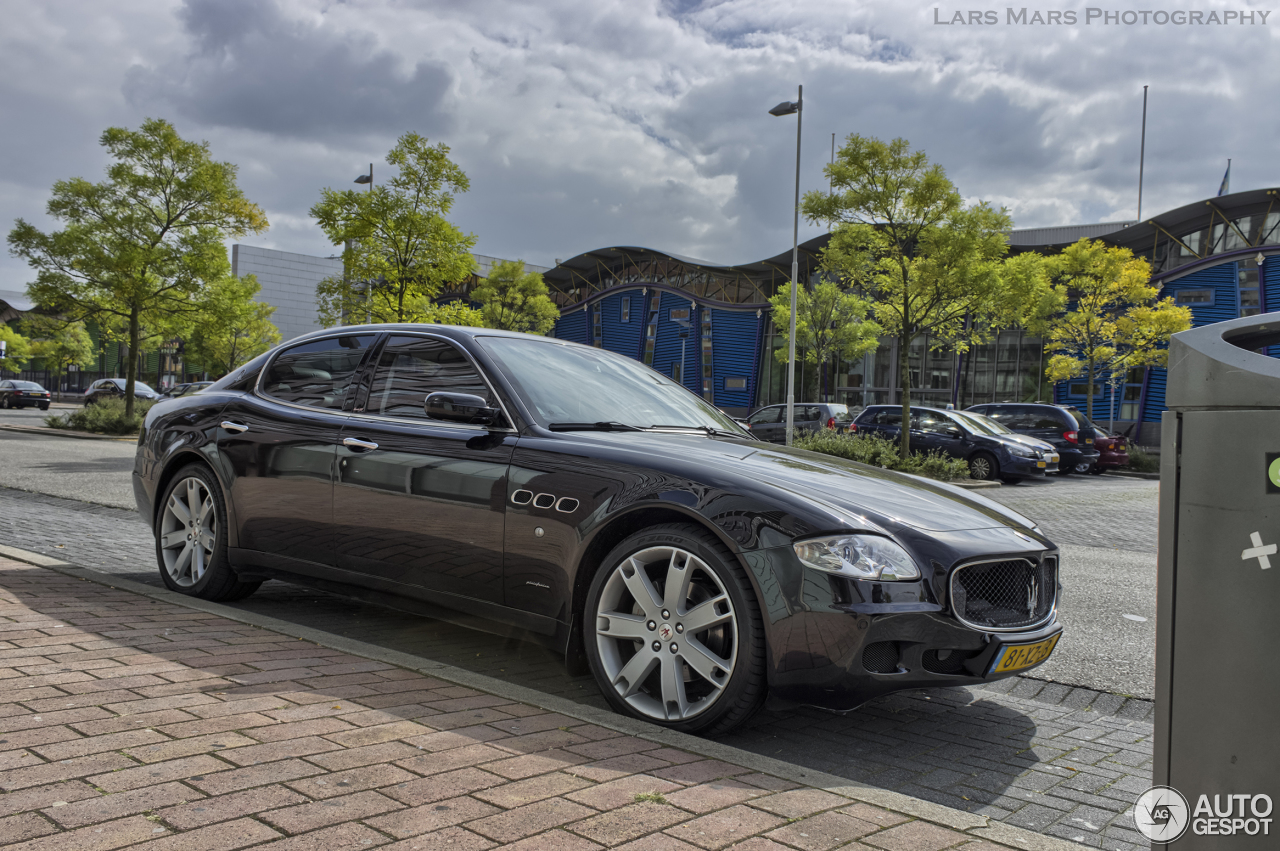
(573, 496)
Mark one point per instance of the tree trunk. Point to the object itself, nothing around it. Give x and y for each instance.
(131, 365)
(904, 371)
(1088, 405)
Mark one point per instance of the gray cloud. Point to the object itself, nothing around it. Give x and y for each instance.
(252, 68)
(588, 123)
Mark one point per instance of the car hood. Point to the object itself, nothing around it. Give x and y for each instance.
(856, 489)
(1024, 440)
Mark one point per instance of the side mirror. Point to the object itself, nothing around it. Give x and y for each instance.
(955, 432)
(459, 408)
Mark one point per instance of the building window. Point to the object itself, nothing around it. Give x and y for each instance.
(596, 336)
(1083, 389)
(1247, 277)
(677, 374)
(707, 371)
(679, 315)
(650, 338)
(626, 309)
(1192, 298)
(735, 383)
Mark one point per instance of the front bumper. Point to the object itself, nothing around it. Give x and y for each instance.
(1016, 465)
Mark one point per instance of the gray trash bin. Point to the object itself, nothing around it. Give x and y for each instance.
(1218, 607)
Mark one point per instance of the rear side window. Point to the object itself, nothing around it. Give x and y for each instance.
(888, 418)
(318, 374)
(411, 368)
(840, 412)
(1050, 418)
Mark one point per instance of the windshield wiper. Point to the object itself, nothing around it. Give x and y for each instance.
(708, 430)
(601, 426)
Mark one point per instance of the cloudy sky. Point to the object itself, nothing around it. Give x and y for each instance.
(587, 123)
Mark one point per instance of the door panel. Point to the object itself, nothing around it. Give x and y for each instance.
(421, 502)
(424, 508)
(278, 449)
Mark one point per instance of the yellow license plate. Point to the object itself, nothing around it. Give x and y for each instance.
(1039, 463)
(1018, 656)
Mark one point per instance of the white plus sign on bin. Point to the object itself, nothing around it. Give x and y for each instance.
(1259, 552)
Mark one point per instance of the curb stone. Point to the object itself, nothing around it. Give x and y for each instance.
(62, 432)
(977, 826)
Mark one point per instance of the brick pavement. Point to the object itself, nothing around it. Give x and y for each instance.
(133, 721)
(1055, 759)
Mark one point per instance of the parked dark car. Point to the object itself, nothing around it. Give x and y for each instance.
(185, 389)
(23, 394)
(1051, 423)
(990, 455)
(770, 423)
(113, 388)
(580, 498)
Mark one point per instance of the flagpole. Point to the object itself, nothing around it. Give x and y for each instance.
(1142, 150)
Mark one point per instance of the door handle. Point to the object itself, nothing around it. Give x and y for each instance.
(234, 428)
(356, 443)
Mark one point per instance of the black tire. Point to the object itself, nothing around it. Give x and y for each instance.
(1095, 470)
(218, 583)
(1010, 480)
(745, 690)
(1064, 470)
(44, 407)
(983, 467)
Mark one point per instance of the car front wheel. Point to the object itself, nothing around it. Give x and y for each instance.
(983, 467)
(191, 539)
(674, 633)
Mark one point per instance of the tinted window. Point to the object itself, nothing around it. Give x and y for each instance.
(1048, 418)
(807, 413)
(26, 385)
(933, 423)
(411, 368)
(766, 415)
(840, 412)
(888, 417)
(318, 374)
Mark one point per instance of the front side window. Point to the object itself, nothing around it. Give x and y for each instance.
(411, 368)
(765, 415)
(318, 374)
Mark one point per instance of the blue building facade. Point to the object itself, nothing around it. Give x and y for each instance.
(709, 326)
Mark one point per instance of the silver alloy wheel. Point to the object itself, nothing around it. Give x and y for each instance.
(667, 647)
(188, 530)
(1082, 467)
(979, 468)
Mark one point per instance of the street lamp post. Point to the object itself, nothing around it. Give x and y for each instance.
(368, 311)
(787, 108)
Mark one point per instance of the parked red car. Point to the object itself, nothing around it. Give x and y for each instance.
(1113, 451)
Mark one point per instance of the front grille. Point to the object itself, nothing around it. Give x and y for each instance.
(1002, 595)
(881, 657)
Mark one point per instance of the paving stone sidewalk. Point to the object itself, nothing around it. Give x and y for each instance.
(1065, 762)
(128, 721)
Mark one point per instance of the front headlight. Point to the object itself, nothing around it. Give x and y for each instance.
(858, 557)
(1024, 452)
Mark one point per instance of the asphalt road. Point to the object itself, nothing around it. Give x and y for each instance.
(1107, 607)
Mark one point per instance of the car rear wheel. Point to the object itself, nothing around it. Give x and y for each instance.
(674, 633)
(1083, 467)
(983, 467)
(191, 539)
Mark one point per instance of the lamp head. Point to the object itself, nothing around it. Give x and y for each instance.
(785, 108)
(364, 178)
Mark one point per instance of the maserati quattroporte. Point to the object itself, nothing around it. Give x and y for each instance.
(582, 499)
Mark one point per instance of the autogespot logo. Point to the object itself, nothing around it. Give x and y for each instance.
(1161, 814)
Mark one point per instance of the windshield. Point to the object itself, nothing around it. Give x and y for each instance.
(26, 385)
(981, 424)
(1081, 419)
(563, 383)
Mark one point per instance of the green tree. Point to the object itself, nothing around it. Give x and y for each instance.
(139, 249)
(1113, 321)
(829, 323)
(231, 329)
(515, 300)
(903, 238)
(60, 344)
(17, 349)
(400, 250)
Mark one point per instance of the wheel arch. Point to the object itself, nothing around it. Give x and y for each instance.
(183, 458)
